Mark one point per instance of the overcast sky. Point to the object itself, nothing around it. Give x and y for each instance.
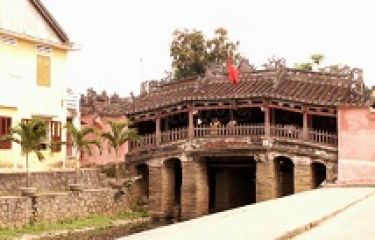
(125, 42)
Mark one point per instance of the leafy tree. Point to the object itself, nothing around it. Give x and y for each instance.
(218, 47)
(315, 60)
(119, 134)
(29, 135)
(192, 53)
(81, 143)
(304, 66)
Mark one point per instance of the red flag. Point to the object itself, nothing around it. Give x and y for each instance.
(232, 71)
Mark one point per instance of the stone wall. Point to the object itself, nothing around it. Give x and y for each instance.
(15, 211)
(54, 207)
(48, 181)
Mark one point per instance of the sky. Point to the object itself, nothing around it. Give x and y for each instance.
(123, 43)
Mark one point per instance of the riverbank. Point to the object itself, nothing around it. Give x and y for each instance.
(94, 227)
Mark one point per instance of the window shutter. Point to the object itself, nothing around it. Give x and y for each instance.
(56, 135)
(5, 125)
(43, 70)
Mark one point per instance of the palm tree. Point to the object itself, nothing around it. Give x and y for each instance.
(80, 143)
(29, 135)
(119, 134)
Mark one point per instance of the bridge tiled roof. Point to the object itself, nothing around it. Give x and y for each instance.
(291, 85)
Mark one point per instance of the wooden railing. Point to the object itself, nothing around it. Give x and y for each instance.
(319, 136)
(145, 141)
(174, 135)
(238, 130)
(242, 130)
(286, 131)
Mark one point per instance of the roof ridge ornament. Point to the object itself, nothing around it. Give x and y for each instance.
(245, 66)
(274, 63)
(278, 66)
(214, 70)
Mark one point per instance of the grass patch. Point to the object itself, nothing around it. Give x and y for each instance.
(132, 214)
(93, 221)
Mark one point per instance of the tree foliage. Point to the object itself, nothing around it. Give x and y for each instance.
(80, 139)
(29, 135)
(119, 134)
(317, 58)
(81, 142)
(192, 53)
(314, 61)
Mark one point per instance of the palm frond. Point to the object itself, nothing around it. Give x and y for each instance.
(86, 131)
(119, 134)
(29, 135)
(86, 148)
(39, 154)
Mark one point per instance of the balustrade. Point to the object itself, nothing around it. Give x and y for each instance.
(286, 131)
(174, 135)
(290, 132)
(145, 141)
(319, 136)
(237, 130)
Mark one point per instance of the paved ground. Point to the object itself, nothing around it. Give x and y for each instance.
(274, 219)
(357, 222)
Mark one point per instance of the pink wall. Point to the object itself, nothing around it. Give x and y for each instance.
(356, 128)
(100, 123)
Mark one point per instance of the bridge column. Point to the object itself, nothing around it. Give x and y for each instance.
(303, 176)
(194, 195)
(157, 191)
(267, 121)
(305, 130)
(266, 182)
(331, 172)
(158, 131)
(191, 124)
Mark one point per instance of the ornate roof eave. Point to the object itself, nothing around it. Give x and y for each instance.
(271, 98)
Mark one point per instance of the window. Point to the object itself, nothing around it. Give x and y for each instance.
(5, 125)
(43, 70)
(56, 135)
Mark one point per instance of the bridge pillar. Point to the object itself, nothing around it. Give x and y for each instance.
(303, 176)
(331, 172)
(194, 199)
(156, 192)
(266, 182)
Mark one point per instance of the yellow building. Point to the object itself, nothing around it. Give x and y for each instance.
(33, 61)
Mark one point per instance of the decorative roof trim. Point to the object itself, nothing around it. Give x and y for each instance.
(64, 46)
(50, 20)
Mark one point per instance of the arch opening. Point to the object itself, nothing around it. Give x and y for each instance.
(231, 182)
(319, 173)
(142, 185)
(284, 168)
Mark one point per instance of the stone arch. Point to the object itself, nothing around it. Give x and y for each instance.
(284, 169)
(142, 184)
(319, 173)
(172, 181)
